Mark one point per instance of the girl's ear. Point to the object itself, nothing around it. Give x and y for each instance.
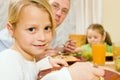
(10, 28)
(104, 36)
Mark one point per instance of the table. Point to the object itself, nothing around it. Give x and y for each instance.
(70, 59)
(110, 66)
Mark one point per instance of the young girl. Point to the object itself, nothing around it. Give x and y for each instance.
(30, 23)
(96, 35)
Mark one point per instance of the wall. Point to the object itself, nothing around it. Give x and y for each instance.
(111, 18)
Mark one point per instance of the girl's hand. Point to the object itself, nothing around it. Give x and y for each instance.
(85, 71)
(78, 49)
(57, 62)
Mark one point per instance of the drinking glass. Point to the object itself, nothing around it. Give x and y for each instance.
(98, 54)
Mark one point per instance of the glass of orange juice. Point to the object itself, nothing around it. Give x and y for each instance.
(98, 54)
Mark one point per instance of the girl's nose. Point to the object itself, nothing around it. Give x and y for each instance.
(92, 40)
(41, 36)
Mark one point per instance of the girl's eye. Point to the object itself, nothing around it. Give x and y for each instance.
(89, 37)
(31, 29)
(96, 37)
(48, 28)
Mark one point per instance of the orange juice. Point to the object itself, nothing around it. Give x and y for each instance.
(98, 54)
(79, 38)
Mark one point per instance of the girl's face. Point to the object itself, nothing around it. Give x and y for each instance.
(94, 37)
(33, 32)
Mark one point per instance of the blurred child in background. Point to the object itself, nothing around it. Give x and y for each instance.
(95, 35)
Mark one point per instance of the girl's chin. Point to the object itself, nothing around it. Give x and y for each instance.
(39, 52)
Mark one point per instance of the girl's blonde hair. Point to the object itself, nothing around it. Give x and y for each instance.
(16, 6)
(100, 29)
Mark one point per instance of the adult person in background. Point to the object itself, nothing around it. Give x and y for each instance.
(3, 13)
(4, 43)
(60, 9)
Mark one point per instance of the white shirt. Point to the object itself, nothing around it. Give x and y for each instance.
(14, 67)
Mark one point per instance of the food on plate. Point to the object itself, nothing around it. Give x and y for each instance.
(87, 55)
(67, 58)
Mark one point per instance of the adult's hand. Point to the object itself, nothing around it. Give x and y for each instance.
(69, 46)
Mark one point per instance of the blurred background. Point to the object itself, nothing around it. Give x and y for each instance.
(81, 14)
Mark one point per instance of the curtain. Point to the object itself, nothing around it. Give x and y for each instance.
(87, 12)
